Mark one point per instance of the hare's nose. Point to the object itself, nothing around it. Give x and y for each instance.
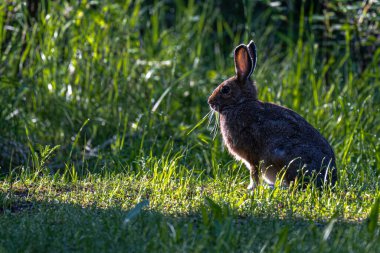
(210, 101)
(212, 104)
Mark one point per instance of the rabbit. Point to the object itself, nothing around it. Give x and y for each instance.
(273, 141)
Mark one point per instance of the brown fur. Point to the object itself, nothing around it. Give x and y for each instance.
(265, 135)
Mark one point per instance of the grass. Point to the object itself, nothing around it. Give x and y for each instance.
(103, 146)
(181, 213)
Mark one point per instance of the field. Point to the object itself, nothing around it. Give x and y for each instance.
(106, 144)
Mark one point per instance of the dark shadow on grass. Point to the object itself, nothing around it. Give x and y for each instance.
(49, 226)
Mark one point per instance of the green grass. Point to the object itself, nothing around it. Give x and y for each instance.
(103, 146)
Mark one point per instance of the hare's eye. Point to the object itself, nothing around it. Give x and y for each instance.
(225, 89)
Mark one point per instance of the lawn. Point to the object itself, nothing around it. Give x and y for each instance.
(107, 144)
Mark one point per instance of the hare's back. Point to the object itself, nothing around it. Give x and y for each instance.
(284, 127)
(292, 142)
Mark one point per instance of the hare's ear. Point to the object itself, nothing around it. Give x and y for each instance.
(243, 63)
(252, 52)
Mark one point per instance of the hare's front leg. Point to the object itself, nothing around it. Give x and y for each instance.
(253, 177)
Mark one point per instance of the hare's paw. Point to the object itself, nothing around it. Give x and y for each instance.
(251, 186)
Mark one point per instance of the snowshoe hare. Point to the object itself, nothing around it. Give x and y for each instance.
(274, 142)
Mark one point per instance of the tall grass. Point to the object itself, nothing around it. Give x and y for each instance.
(140, 73)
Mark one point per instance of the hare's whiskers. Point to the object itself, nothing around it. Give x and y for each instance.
(200, 122)
(216, 125)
